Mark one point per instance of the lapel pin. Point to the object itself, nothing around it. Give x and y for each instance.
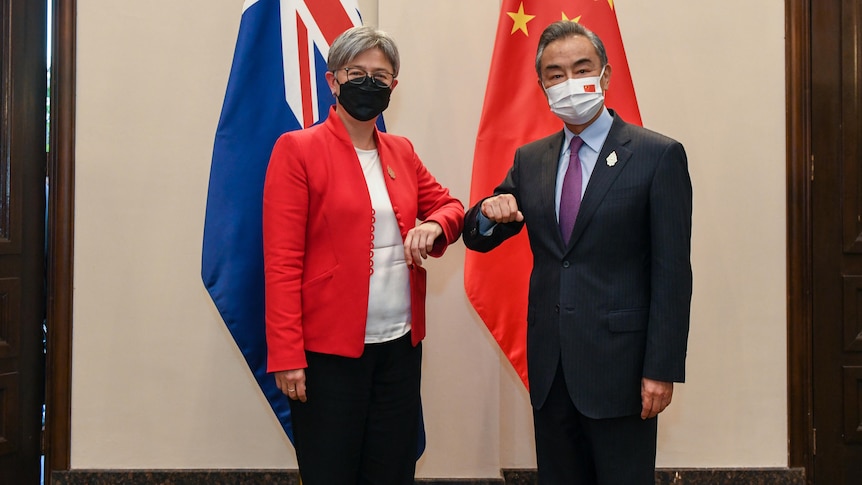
(391, 172)
(612, 159)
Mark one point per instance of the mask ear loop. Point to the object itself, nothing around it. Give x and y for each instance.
(602, 75)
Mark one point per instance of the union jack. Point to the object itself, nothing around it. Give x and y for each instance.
(308, 27)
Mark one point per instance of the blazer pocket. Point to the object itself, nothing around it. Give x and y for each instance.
(321, 278)
(628, 320)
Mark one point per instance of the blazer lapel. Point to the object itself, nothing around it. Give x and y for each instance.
(603, 176)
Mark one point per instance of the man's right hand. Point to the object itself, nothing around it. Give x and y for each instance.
(501, 209)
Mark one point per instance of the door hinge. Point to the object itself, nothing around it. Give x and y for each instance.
(813, 441)
(812, 167)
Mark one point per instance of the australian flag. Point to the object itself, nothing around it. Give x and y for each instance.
(277, 84)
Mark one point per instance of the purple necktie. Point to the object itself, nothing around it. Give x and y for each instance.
(570, 199)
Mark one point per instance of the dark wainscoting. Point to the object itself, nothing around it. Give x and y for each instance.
(689, 476)
(175, 477)
(695, 476)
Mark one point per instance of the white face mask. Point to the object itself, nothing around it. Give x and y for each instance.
(576, 101)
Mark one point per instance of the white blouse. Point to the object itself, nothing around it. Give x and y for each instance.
(389, 289)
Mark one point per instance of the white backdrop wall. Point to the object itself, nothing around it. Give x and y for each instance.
(157, 381)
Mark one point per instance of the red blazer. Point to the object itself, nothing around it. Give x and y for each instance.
(317, 238)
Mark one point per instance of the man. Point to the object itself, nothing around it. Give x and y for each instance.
(610, 293)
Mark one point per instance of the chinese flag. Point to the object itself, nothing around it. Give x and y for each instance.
(515, 113)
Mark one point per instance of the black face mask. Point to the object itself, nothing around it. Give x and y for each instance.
(364, 101)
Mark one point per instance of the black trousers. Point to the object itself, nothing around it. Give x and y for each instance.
(573, 449)
(360, 423)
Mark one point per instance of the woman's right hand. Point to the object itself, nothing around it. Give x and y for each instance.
(292, 383)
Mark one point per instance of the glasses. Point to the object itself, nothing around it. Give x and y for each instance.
(357, 75)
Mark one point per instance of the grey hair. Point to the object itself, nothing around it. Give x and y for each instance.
(355, 41)
(563, 29)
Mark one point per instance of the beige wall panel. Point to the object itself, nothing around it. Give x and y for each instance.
(711, 74)
(157, 379)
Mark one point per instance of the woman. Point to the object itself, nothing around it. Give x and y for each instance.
(345, 287)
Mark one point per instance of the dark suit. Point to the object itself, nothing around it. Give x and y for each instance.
(612, 306)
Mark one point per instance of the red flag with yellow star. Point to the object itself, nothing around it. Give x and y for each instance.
(515, 113)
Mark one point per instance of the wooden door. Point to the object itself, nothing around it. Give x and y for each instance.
(836, 190)
(22, 237)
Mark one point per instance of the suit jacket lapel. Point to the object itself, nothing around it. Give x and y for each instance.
(603, 176)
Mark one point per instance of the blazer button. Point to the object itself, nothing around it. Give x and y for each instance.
(566, 264)
(556, 308)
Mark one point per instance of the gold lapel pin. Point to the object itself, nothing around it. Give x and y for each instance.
(612, 159)
(391, 172)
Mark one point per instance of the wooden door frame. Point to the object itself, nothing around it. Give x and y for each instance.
(61, 222)
(61, 172)
(799, 236)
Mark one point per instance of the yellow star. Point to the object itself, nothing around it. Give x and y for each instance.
(611, 2)
(576, 19)
(520, 19)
